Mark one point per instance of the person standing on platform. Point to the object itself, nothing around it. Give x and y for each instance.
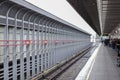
(118, 47)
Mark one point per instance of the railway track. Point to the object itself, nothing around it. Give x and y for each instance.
(58, 70)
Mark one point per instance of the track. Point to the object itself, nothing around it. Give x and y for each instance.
(55, 73)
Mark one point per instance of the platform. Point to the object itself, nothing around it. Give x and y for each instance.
(102, 65)
(105, 66)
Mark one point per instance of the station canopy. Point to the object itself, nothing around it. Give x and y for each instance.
(101, 15)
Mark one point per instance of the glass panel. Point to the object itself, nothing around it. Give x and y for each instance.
(25, 38)
(30, 34)
(18, 42)
(1, 43)
(11, 43)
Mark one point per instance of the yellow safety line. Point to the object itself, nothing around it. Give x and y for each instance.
(88, 76)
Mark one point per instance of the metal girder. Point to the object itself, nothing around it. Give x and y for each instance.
(14, 48)
(28, 49)
(6, 53)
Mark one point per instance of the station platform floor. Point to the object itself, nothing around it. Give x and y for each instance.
(105, 65)
(102, 65)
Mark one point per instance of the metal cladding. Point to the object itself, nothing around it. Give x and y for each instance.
(101, 15)
(33, 40)
(110, 10)
(89, 11)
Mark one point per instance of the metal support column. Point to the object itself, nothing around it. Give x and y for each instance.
(14, 48)
(28, 49)
(6, 49)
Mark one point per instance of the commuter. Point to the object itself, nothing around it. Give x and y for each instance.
(113, 43)
(106, 42)
(110, 43)
(118, 47)
(102, 40)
